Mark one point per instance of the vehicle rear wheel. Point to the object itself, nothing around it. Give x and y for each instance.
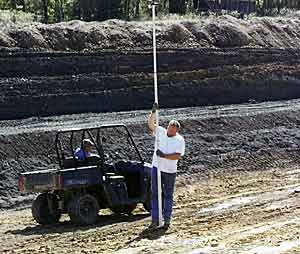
(126, 209)
(83, 209)
(45, 209)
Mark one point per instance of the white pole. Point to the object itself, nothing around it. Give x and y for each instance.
(157, 115)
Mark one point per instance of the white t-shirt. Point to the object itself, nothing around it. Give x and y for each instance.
(168, 145)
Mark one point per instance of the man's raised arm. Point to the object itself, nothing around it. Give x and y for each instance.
(151, 118)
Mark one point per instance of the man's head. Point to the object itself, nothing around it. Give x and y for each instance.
(173, 128)
(87, 144)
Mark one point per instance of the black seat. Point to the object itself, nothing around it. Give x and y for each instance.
(70, 162)
(132, 171)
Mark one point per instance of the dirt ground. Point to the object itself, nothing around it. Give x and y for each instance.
(237, 190)
(238, 186)
(243, 212)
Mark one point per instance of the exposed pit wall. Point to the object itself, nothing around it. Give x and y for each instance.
(43, 84)
(183, 94)
(218, 140)
(24, 64)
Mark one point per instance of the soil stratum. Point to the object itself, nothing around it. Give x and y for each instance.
(234, 86)
(79, 67)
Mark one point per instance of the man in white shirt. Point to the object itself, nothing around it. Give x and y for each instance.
(170, 149)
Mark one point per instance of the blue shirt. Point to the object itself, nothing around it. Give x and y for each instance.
(80, 154)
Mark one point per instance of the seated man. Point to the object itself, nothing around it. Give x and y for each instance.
(85, 151)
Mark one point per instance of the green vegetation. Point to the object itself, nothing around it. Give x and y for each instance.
(51, 11)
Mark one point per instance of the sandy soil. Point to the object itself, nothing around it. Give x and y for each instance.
(246, 212)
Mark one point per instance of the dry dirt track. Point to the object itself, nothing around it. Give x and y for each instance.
(255, 212)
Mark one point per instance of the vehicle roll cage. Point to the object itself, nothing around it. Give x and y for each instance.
(98, 141)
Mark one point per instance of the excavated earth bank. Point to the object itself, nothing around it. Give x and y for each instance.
(219, 139)
(78, 67)
(237, 184)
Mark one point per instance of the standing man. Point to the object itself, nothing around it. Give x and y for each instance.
(170, 149)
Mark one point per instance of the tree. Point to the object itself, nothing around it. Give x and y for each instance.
(13, 4)
(137, 9)
(45, 11)
(127, 8)
(22, 2)
(59, 11)
(177, 6)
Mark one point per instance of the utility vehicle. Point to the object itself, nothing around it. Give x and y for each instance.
(115, 176)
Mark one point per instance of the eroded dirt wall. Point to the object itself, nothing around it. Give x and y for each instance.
(26, 64)
(41, 84)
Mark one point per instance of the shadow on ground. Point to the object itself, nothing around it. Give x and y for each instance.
(150, 234)
(67, 226)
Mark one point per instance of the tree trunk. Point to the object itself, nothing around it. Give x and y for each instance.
(127, 9)
(165, 5)
(13, 4)
(45, 11)
(177, 6)
(137, 9)
(22, 2)
(61, 10)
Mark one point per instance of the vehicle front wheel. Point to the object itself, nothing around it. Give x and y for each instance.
(83, 209)
(45, 209)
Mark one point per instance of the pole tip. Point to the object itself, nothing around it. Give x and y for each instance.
(152, 2)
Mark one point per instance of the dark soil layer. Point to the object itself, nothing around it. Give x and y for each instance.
(216, 144)
(43, 84)
(77, 67)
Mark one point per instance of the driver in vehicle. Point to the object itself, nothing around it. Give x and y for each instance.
(81, 153)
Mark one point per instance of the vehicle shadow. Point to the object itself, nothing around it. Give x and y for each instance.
(67, 226)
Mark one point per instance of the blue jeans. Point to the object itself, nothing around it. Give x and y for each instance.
(167, 187)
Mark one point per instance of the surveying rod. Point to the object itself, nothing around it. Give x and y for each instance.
(152, 5)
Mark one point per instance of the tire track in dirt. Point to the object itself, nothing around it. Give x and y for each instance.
(203, 222)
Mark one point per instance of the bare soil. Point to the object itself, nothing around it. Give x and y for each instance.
(221, 31)
(242, 212)
(77, 67)
(237, 190)
(238, 185)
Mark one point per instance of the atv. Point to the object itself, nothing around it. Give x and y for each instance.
(114, 176)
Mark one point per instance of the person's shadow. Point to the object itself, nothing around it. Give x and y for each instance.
(67, 226)
(150, 234)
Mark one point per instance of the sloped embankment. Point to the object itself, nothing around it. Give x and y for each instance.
(42, 84)
(241, 138)
(221, 32)
(78, 67)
